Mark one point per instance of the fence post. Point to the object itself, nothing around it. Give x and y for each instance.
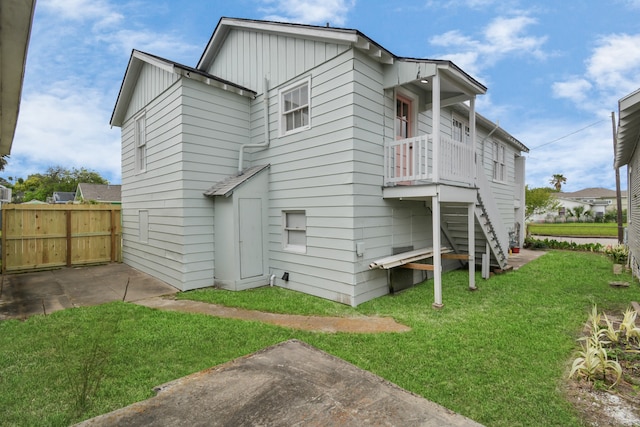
(3, 248)
(69, 245)
(113, 235)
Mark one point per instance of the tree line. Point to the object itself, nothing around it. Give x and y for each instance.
(40, 186)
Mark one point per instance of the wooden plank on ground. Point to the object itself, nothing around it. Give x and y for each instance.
(418, 266)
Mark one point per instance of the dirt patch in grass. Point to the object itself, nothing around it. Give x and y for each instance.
(361, 324)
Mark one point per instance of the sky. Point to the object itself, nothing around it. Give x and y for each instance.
(555, 70)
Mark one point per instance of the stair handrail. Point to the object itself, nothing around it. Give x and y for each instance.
(491, 209)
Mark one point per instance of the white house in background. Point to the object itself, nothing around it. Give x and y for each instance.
(306, 157)
(627, 154)
(597, 201)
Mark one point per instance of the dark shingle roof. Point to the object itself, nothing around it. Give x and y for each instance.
(100, 192)
(227, 186)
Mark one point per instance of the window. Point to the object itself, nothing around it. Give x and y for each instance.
(294, 108)
(295, 231)
(499, 168)
(460, 130)
(404, 120)
(141, 143)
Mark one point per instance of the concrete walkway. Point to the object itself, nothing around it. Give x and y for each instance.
(43, 292)
(289, 384)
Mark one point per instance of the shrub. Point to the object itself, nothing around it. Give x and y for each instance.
(618, 253)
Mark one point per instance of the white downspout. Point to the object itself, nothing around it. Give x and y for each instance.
(267, 139)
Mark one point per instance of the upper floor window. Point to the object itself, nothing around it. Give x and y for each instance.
(294, 107)
(499, 168)
(460, 130)
(141, 143)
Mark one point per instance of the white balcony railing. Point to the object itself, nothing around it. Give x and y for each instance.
(410, 161)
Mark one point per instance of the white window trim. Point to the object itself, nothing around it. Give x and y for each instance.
(496, 148)
(285, 232)
(138, 145)
(284, 90)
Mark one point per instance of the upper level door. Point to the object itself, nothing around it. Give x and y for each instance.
(404, 129)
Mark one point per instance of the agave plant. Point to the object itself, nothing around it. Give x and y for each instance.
(594, 319)
(628, 325)
(610, 332)
(593, 360)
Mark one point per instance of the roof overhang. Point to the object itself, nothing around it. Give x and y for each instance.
(139, 59)
(16, 18)
(628, 133)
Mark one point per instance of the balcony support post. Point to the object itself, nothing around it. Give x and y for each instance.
(437, 256)
(472, 131)
(471, 223)
(436, 126)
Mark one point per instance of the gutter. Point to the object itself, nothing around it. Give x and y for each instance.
(267, 139)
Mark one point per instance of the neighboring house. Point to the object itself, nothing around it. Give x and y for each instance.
(597, 201)
(62, 197)
(16, 17)
(100, 193)
(319, 155)
(5, 195)
(627, 154)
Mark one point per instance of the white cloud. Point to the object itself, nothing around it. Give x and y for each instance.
(615, 63)
(69, 127)
(101, 12)
(612, 70)
(575, 89)
(503, 37)
(585, 157)
(309, 11)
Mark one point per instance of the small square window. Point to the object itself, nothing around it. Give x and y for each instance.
(295, 231)
(294, 107)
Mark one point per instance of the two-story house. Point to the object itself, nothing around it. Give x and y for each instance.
(306, 157)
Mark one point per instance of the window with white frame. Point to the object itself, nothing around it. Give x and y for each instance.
(295, 230)
(460, 130)
(499, 168)
(294, 107)
(141, 143)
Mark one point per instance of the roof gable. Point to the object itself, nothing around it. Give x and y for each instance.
(137, 61)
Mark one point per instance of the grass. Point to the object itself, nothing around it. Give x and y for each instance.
(498, 355)
(576, 229)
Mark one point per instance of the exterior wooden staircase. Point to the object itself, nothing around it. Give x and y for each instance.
(489, 226)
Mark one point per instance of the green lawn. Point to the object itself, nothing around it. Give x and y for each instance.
(584, 229)
(498, 355)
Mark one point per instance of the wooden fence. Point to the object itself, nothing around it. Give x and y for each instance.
(39, 237)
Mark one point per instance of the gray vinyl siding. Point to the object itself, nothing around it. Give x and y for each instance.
(152, 81)
(313, 171)
(158, 190)
(193, 135)
(248, 56)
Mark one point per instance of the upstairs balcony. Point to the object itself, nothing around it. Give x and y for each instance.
(418, 161)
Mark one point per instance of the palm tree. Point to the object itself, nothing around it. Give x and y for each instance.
(3, 162)
(557, 181)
